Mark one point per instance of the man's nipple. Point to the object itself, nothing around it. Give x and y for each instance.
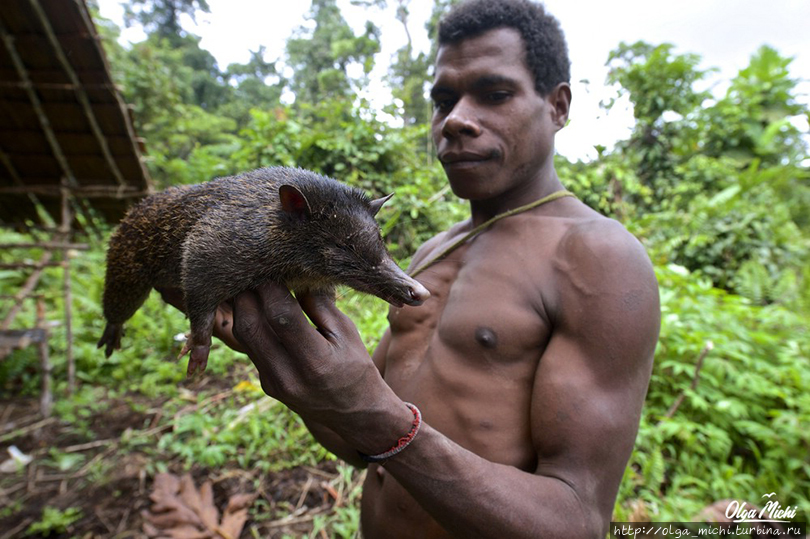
(486, 337)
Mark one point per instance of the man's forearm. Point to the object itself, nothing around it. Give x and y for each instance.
(334, 443)
(473, 497)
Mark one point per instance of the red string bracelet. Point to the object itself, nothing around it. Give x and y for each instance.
(403, 442)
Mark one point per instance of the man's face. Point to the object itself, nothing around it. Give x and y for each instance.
(494, 133)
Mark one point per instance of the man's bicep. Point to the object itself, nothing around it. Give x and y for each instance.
(593, 375)
(584, 427)
(579, 420)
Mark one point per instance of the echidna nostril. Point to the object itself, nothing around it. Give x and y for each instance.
(418, 293)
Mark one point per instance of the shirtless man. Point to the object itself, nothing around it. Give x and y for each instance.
(531, 359)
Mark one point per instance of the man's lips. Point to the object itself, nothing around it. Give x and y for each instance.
(458, 159)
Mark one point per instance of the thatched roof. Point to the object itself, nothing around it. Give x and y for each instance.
(62, 120)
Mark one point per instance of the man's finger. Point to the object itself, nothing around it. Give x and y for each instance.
(283, 312)
(249, 326)
(330, 321)
(223, 326)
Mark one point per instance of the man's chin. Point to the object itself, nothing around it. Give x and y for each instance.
(469, 186)
(470, 192)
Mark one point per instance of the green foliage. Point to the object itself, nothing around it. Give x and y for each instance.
(745, 225)
(256, 84)
(752, 120)
(656, 80)
(54, 521)
(162, 17)
(146, 363)
(740, 432)
(62, 461)
(345, 521)
(718, 191)
(607, 185)
(319, 56)
(247, 429)
(659, 84)
(719, 188)
(408, 76)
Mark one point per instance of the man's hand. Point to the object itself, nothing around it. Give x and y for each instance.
(293, 357)
(321, 371)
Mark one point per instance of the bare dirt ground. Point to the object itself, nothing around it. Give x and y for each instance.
(112, 501)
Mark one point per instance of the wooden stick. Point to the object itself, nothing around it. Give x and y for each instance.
(21, 526)
(89, 445)
(11, 490)
(67, 219)
(27, 288)
(24, 430)
(85, 191)
(3, 419)
(36, 104)
(46, 399)
(703, 353)
(24, 421)
(31, 265)
(46, 245)
(6, 161)
(123, 521)
(61, 85)
(304, 492)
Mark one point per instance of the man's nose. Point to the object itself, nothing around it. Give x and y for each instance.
(461, 121)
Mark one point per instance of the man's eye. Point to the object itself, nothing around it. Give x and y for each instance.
(498, 97)
(443, 104)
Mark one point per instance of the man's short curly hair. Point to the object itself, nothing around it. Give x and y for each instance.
(546, 50)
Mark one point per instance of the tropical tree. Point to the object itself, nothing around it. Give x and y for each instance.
(320, 57)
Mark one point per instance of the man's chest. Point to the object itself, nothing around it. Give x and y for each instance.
(482, 309)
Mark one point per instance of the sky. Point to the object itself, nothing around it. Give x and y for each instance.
(725, 33)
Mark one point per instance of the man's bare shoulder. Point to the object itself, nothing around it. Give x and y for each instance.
(600, 242)
(603, 270)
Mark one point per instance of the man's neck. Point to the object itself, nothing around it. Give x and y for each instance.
(483, 210)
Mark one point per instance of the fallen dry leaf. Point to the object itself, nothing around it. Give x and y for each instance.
(714, 513)
(181, 511)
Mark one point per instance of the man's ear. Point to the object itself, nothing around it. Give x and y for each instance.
(293, 202)
(560, 100)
